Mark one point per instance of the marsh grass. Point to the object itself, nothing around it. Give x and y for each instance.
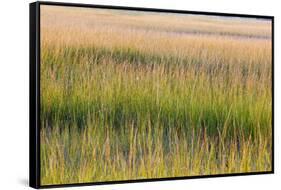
(181, 105)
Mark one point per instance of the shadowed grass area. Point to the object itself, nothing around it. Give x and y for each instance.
(118, 90)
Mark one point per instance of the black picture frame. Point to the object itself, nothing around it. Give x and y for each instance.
(34, 91)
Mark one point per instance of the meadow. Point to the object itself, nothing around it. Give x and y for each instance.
(137, 95)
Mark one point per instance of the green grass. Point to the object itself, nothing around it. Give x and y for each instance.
(121, 113)
(136, 96)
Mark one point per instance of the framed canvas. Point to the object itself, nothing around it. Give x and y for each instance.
(123, 94)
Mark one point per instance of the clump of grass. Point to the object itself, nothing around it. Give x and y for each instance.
(103, 153)
(181, 105)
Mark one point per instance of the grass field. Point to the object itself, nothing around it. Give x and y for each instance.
(137, 95)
